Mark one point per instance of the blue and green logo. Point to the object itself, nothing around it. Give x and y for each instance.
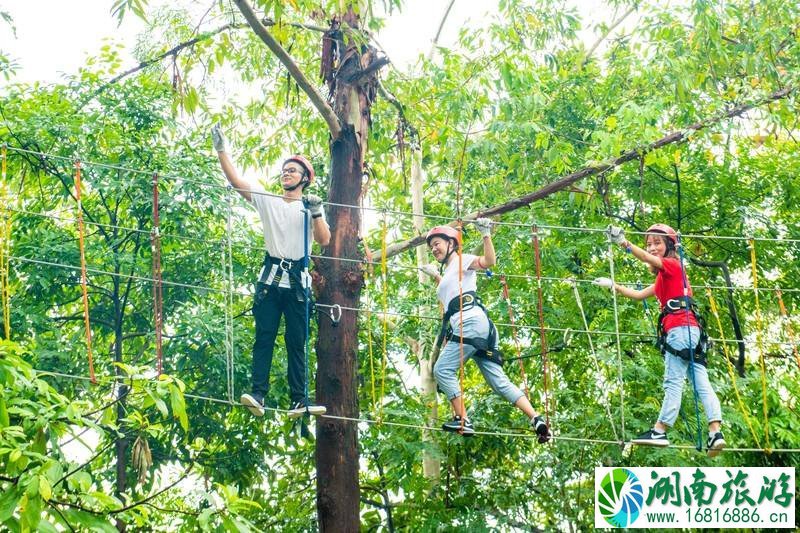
(620, 497)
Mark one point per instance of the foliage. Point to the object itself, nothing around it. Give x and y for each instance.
(516, 104)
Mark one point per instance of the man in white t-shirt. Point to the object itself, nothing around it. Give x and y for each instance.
(283, 286)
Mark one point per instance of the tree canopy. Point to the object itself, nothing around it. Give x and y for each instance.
(518, 104)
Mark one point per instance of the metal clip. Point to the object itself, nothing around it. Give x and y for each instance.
(336, 314)
(285, 264)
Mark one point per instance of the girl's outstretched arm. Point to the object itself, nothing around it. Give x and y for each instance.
(634, 294)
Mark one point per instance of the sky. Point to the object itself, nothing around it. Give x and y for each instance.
(54, 37)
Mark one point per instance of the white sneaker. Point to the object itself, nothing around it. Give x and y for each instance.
(254, 403)
(715, 444)
(300, 409)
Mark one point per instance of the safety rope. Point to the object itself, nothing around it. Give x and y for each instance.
(542, 334)
(84, 287)
(5, 247)
(461, 372)
(306, 286)
(760, 345)
(498, 432)
(517, 346)
(688, 313)
(370, 351)
(385, 307)
(788, 324)
(228, 262)
(714, 311)
(606, 401)
(620, 377)
(158, 307)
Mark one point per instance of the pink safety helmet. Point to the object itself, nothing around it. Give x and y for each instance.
(666, 230)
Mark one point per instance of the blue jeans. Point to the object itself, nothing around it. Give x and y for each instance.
(676, 370)
(449, 363)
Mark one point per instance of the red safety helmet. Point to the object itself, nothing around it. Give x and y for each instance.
(306, 164)
(446, 232)
(666, 230)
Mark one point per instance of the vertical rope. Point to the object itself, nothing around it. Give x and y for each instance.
(385, 307)
(759, 343)
(368, 313)
(155, 243)
(542, 334)
(461, 315)
(788, 324)
(306, 283)
(685, 280)
(83, 271)
(5, 247)
(229, 352)
(620, 379)
(731, 372)
(596, 360)
(507, 298)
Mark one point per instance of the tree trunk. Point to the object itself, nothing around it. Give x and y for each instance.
(431, 466)
(340, 282)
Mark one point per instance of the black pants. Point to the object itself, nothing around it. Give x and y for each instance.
(267, 312)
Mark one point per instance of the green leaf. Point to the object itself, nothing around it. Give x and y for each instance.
(45, 491)
(178, 404)
(8, 502)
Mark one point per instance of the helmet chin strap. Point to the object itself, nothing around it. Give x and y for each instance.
(302, 181)
(446, 257)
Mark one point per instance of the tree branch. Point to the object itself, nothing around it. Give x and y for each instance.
(605, 35)
(316, 98)
(152, 496)
(585, 172)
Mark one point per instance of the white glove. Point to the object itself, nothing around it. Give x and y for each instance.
(615, 234)
(604, 282)
(314, 204)
(218, 139)
(484, 226)
(430, 269)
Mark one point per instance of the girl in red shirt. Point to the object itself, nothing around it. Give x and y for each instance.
(681, 332)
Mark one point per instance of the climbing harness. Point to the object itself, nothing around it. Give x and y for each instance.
(684, 304)
(484, 346)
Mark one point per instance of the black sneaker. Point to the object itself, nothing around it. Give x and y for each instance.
(715, 444)
(254, 402)
(455, 426)
(301, 408)
(540, 427)
(651, 437)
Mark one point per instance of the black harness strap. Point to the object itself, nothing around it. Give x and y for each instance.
(484, 346)
(680, 305)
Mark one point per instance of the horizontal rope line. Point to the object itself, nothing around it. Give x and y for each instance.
(409, 425)
(243, 245)
(356, 309)
(389, 211)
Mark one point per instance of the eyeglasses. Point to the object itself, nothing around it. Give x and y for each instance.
(291, 170)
